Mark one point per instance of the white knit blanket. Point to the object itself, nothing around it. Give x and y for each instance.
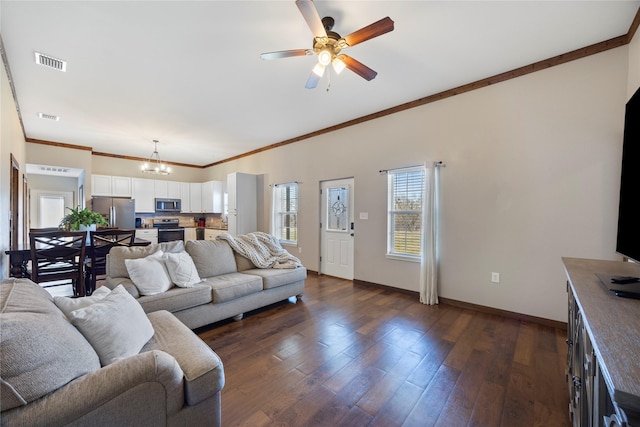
(262, 249)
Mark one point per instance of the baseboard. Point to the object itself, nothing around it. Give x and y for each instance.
(481, 308)
(389, 288)
(509, 314)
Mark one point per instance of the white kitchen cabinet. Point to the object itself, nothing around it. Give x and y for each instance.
(100, 185)
(210, 233)
(243, 204)
(120, 186)
(173, 190)
(160, 189)
(143, 191)
(195, 197)
(166, 189)
(212, 196)
(110, 186)
(189, 233)
(207, 196)
(184, 197)
(150, 234)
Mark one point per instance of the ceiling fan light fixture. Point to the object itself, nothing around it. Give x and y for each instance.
(325, 57)
(318, 70)
(338, 65)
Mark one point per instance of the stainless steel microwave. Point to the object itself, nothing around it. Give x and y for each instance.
(168, 205)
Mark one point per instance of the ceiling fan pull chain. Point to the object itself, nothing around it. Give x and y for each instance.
(329, 82)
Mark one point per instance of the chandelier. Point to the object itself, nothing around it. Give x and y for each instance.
(154, 165)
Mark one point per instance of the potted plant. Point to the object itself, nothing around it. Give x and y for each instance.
(82, 219)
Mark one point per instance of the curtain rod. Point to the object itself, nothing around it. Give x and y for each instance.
(438, 164)
(285, 183)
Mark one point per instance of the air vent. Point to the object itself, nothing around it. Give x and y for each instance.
(53, 169)
(51, 62)
(48, 116)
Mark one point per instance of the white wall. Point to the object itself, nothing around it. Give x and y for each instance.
(122, 167)
(11, 142)
(634, 65)
(532, 175)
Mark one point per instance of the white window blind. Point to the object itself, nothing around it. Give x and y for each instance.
(405, 192)
(285, 212)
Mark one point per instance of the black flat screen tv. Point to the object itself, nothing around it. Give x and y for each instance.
(628, 239)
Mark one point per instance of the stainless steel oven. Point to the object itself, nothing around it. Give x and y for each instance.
(169, 230)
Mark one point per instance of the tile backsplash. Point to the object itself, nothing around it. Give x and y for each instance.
(186, 220)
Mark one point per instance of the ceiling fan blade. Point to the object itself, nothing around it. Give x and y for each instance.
(370, 31)
(310, 14)
(286, 54)
(358, 67)
(315, 76)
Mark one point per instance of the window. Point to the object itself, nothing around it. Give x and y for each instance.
(285, 212)
(405, 212)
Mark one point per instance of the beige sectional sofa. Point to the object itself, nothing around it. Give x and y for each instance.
(55, 371)
(231, 284)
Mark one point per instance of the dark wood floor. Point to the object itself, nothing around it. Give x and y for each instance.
(351, 355)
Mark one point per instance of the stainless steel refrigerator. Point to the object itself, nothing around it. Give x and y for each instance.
(119, 212)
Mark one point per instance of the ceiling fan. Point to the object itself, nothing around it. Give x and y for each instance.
(328, 44)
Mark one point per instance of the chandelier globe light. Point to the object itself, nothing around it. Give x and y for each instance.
(154, 165)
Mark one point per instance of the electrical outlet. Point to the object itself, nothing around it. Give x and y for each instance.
(495, 277)
(300, 249)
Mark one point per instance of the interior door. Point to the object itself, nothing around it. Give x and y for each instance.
(49, 207)
(336, 231)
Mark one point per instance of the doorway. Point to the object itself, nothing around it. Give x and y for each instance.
(336, 228)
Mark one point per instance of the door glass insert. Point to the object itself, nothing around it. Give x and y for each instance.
(338, 209)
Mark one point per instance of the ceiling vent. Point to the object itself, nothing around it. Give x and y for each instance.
(51, 62)
(48, 116)
(53, 169)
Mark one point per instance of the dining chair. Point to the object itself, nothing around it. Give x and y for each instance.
(57, 258)
(101, 242)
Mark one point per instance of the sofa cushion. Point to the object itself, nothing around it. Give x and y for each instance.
(275, 277)
(227, 287)
(149, 274)
(112, 282)
(116, 326)
(41, 351)
(211, 257)
(176, 299)
(115, 260)
(181, 269)
(243, 263)
(203, 370)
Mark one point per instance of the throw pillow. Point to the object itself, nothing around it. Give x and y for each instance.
(67, 304)
(116, 327)
(149, 274)
(181, 269)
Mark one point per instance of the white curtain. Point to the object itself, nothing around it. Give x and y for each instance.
(429, 260)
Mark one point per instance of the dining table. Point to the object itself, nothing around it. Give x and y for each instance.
(20, 256)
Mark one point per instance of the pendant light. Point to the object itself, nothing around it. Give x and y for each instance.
(154, 165)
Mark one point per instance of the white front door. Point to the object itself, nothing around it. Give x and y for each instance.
(336, 231)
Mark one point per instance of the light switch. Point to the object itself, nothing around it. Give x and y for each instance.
(364, 215)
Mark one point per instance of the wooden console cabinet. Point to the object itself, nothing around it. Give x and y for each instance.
(603, 337)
